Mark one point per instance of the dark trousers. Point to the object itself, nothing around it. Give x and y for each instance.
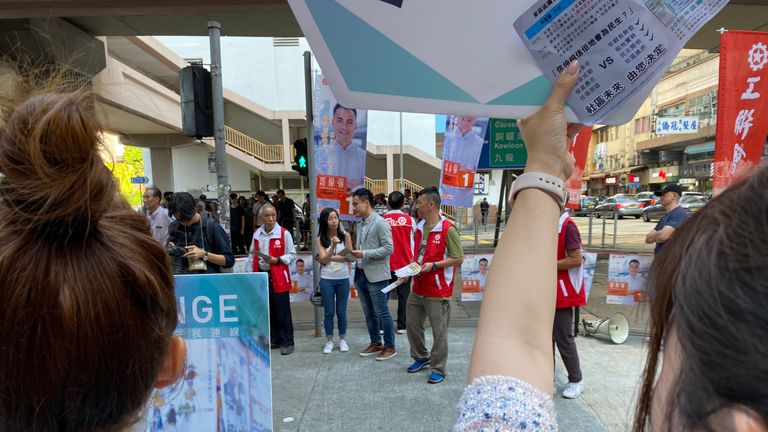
(238, 242)
(280, 320)
(402, 292)
(484, 216)
(564, 339)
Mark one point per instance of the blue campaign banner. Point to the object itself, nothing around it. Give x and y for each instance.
(227, 382)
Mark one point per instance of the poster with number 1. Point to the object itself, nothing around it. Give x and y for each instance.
(340, 149)
(464, 136)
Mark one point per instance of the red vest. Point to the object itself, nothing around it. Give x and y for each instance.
(438, 283)
(402, 238)
(570, 282)
(280, 273)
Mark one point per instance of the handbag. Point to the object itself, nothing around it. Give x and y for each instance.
(316, 298)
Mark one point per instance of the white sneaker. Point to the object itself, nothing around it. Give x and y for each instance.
(328, 347)
(573, 390)
(343, 347)
(381, 332)
(400, 331)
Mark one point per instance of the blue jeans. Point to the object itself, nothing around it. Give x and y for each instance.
(375, 307)
(335, 294)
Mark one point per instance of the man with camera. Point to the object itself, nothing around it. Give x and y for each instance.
(196, 243)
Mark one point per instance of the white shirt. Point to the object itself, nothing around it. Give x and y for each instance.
(349, 163)
(263, 238)
(463, 149)
(636, 283)
(158, 223)
(335, 270)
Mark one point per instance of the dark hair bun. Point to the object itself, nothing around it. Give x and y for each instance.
(53, 173)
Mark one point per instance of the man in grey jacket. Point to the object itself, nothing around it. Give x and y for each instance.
(372, 250)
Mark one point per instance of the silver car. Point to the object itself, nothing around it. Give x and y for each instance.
(622, 205)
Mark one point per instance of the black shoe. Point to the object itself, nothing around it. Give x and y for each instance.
(286, 350)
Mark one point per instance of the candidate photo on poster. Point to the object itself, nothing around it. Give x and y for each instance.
(340, 139)
(464, 136)
(627, 278)
(474, 273)
(301, 278)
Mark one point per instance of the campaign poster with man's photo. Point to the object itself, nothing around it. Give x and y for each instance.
(340, 136)
(626, 278)
(474, 271)
(464, 136)
(301, 278)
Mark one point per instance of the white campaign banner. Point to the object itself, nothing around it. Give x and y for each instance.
(438, 56)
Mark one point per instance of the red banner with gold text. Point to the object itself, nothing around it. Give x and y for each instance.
(579, 148)
(742, 106)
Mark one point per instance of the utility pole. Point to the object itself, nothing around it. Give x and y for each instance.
(312, 174)
(402, 185)
(217, 96)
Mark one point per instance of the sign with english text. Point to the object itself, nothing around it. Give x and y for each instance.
(227, 382)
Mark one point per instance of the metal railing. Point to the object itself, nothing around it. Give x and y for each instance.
(380, 186)
(267, 153)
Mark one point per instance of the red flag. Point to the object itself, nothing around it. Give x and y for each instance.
(742, 105)
(579, 148)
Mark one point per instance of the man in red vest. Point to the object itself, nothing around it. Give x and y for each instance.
(272, 252)
(403, 228)
(438, 250)
(570, 294)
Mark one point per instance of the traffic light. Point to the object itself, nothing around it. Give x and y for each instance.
(301, 160)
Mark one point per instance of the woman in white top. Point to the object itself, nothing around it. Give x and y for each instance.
(334, 275)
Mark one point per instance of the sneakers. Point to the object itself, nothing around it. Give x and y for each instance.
(418, 365)
(328, 347)
(372, 349)
(286, 350)
(381, 332)
(400, 331)
(573, 390)
(435, 378)
(386, 354)
(343, 347)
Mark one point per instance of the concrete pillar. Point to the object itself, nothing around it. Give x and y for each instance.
(287, 144)
(162, 168)
(390, 173)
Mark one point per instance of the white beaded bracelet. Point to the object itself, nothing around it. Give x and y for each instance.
(545, 182)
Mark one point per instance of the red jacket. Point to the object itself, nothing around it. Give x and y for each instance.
(570, 282)
(402, 239)
(280, 273)
(438, 283)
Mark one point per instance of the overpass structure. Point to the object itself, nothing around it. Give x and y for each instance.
(135, 82)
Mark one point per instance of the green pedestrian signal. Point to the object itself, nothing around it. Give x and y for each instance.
(300, 158)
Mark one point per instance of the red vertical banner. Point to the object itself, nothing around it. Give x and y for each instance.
(579, 147)
(742, 106)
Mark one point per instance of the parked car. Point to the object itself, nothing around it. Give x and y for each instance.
(647, 198)
(621, 204)
(689, 203)
(587, 204)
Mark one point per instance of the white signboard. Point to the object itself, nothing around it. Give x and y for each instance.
(676, 125)
(439, 56)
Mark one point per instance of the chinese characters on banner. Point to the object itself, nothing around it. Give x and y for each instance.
(340, 142)
(742, 101)
(578, 147)
(626, 278)
(463, 144)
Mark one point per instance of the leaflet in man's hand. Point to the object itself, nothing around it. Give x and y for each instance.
(411, 269)
(348, 255)
(391, 286)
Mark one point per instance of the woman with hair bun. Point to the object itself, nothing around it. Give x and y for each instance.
(88, 298)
